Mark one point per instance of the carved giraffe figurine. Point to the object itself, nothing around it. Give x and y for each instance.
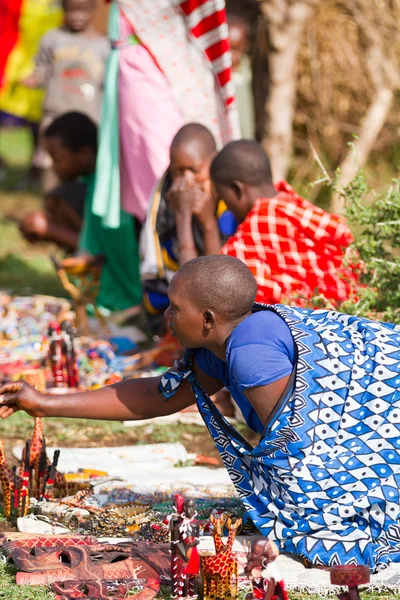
(36, 447)
(218, 531)
(62, 487)
(7, 481)
(37, 442)
(220, 572)
(35, 378)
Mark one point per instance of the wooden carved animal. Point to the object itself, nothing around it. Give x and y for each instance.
(11, 542)
(61, 486)
(37, 447)
(220, 572)
(218, 524)
(79, 563)
(44, 565)
(7, 481)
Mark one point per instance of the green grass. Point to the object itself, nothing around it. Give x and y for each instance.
(28, 276)
(16, 146)
(10, 591)
(24, 268)
(20, 425)
(87, 432)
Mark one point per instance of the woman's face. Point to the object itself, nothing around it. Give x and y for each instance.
(183, 318)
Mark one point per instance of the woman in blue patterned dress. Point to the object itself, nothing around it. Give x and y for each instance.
(320, 387)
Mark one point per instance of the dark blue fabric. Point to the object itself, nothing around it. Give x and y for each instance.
(260, 350)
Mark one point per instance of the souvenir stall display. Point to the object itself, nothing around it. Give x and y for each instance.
(39, 332)
(74, 563)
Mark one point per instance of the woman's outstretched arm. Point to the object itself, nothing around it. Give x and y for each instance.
(132, 399)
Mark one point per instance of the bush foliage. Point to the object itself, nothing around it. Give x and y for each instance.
(378, 246)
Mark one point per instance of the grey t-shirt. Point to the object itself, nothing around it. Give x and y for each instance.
(70, 66)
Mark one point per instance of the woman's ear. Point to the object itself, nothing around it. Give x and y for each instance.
(208, 320)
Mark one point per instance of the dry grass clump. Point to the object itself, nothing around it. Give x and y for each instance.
(339, 69)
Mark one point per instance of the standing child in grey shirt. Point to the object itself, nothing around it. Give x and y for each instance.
(70, 66)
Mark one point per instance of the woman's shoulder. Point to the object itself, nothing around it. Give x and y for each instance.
(258, 328)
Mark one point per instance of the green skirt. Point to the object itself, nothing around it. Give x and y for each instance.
(120, 279)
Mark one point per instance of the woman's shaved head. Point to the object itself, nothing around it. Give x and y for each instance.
(219, 283)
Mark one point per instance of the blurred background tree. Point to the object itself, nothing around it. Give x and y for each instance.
(324, 72)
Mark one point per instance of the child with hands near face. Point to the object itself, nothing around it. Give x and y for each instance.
(186, 218)
(188, 199)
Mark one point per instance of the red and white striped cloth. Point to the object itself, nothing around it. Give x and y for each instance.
(188, 40)
(294, 249)
(206, 20)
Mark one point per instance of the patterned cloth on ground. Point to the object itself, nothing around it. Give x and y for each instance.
(324, 480)
(294, 249)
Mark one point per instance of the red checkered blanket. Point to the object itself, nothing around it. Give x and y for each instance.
(294, 249)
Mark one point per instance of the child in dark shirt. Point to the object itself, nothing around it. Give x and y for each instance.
(71, 141)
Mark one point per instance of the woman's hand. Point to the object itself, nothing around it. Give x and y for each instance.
(20, 396)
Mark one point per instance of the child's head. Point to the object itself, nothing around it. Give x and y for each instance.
(78, 13)
(71, 141)
(191, 152)
(241, 173)
(239, 34)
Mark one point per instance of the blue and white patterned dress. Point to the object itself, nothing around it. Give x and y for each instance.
(324, 480)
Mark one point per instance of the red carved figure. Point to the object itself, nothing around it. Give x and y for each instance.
(185, 558)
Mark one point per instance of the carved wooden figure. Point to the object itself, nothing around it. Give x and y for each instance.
(218, 524)
(265, 578)
(7, 479)
(220, 572)
(185, 559)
